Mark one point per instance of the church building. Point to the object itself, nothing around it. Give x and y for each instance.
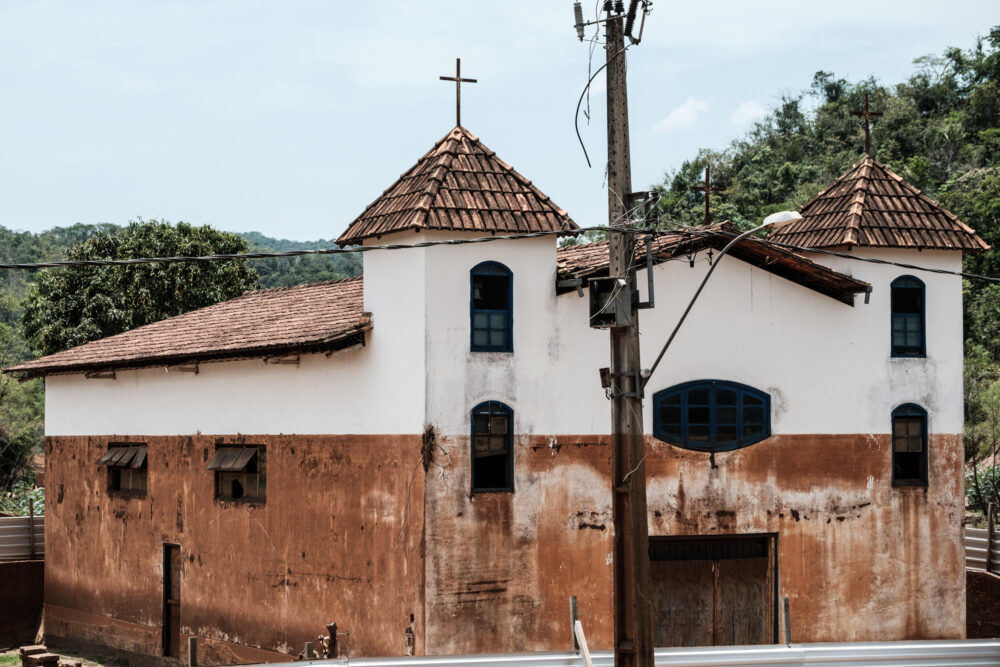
(422, 456)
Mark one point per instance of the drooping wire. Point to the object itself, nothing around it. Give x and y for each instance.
(576, 116)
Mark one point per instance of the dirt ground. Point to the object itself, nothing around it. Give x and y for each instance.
(12, 659)
(982, 605)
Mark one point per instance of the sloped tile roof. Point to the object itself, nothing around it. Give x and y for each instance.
(871, 206)
(459, 185)
(590, 260)
(289, 320)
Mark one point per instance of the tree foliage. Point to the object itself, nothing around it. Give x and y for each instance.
(286, 271)
(75, 305)
(940, 130)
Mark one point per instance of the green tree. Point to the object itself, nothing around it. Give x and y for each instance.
(71, 306)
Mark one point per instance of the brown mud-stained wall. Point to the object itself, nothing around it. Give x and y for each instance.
(338, 540)
(859, 559)
(355, 532)
(20, 601)
(501, 566)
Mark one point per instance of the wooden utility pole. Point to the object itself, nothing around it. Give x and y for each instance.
(632, 605)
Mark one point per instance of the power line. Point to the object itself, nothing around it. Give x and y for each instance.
(291, 253)
(690, 231)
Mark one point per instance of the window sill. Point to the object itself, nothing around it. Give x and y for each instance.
(479, 491)
(223, 500)
(909, 484)
(126, 495)
(909, 356)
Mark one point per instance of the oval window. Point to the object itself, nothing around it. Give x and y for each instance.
(711, 415)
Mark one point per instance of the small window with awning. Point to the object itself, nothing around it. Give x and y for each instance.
(126, 463)
(239, 473)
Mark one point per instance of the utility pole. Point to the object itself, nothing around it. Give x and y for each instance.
(632, 605)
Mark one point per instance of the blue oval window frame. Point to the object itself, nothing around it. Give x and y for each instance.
(711, 415)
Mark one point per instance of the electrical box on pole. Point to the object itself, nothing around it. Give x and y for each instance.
(610, 302)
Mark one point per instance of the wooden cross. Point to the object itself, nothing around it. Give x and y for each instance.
(458, 89)
(708, 189)
(867, 114)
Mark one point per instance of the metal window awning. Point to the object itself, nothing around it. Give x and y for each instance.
(231, 459)
(124, 457)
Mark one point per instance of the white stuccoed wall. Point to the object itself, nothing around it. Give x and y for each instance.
(826, 365)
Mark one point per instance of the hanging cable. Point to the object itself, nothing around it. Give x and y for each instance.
(576, 116)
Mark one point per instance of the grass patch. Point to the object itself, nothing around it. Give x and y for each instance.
(9, 659)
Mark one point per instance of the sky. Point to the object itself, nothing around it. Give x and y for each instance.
(289, 117)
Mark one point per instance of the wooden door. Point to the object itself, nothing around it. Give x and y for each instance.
(713, 591)
(171, 600)
(682, 603)
(743, 599)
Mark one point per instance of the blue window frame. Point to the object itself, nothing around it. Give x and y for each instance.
(908, 317)
(711, 415)
(492, 447)
(909, 445)
(492, 305)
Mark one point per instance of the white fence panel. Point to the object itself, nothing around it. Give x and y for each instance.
(912, 653)
(975, 549)
(15, 540)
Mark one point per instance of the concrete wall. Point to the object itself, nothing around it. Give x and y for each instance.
(339, 539)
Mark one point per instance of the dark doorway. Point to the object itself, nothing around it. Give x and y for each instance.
(171, 601)
(714, 591)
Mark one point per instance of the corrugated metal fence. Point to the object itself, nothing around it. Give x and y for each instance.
(975, 550)
(923, 653)
(16, 538)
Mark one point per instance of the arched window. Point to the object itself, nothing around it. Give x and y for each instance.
(909, 445)
(908, 325)
(492, 304)
(492, 447)
(711, 415)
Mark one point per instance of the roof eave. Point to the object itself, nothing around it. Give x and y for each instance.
(338, 341)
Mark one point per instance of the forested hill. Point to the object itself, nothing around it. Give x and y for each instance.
(24, 247)
(285, 271)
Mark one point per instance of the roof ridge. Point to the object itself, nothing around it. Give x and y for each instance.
(271, 290)
(856, 210)
(426, 156)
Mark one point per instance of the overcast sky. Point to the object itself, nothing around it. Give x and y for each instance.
(288, 117)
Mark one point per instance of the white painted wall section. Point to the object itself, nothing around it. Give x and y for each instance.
(826, 365)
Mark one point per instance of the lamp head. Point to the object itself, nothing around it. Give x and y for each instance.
(780, 219)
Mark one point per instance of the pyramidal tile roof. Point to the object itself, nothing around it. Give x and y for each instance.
(459, 185)
(870, 206)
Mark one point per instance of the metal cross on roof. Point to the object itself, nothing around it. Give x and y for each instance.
(458, 89)
(867, 114)
(708, 189)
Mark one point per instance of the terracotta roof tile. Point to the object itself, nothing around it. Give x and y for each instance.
(459, 185)
(590, 260)
(304, 318)
(870, 206)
